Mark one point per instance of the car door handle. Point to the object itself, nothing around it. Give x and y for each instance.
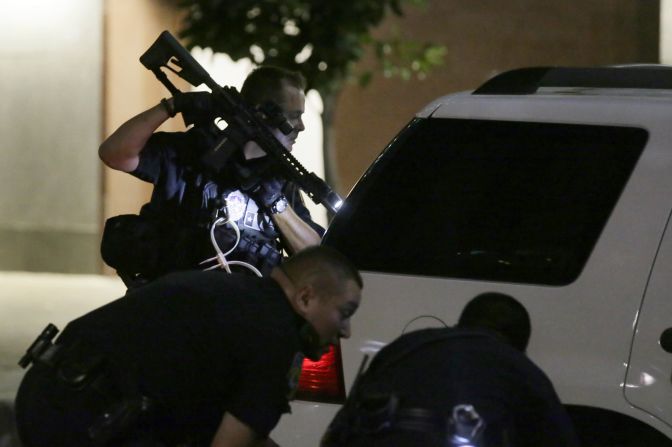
(666, 340)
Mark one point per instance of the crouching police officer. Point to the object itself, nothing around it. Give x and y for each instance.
(469, 385)
(194, 358)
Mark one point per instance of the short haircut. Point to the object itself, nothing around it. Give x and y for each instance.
(500, 313)
(265, 83)
(321, 266)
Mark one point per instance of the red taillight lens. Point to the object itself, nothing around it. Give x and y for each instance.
(322, 381)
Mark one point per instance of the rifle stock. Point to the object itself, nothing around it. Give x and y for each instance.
(243, 121)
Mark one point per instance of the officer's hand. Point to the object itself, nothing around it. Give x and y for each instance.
(267, 192)
(195, 107)
(251, 173)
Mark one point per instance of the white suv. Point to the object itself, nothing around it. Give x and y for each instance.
(553, 185)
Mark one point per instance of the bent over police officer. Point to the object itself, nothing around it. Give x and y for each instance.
(464, 386)
(191, 359)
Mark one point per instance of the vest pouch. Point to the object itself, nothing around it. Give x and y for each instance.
(131, 244)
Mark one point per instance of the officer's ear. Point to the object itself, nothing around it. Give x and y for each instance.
(304, 298)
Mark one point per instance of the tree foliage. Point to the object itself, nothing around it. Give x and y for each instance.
(321, 38)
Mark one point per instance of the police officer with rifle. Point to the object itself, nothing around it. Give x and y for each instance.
(222, 198)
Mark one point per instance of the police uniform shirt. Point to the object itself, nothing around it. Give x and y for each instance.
(470, 367)
(202, 344)
(166, 158)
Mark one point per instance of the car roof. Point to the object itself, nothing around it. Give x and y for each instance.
(641, 81)
(530, 80)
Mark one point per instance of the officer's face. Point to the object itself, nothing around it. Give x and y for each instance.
(292, 103)
(330, 314)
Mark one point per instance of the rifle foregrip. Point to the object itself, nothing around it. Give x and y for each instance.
(320, 192)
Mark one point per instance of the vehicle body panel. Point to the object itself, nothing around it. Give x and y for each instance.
(583, 332)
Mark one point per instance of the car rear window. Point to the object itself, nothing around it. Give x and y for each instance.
(488, 200)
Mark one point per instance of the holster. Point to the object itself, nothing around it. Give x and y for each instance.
(122, 419)
(83, 376)
(131, 244)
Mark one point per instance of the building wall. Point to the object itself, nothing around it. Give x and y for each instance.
(485, 37)
(50, 61)
(70, 75)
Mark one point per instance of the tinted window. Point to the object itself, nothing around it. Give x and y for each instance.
(490, 200)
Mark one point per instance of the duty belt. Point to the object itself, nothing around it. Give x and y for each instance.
(381, 414)
(81, 369)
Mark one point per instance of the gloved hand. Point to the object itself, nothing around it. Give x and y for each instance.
(195, 107)
(266, 192)
(251, 173)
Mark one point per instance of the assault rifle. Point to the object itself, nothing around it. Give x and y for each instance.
(244, 123)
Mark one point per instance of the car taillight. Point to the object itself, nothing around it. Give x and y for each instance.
(322, 381)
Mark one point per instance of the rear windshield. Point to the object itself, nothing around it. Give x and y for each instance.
(487, 200)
